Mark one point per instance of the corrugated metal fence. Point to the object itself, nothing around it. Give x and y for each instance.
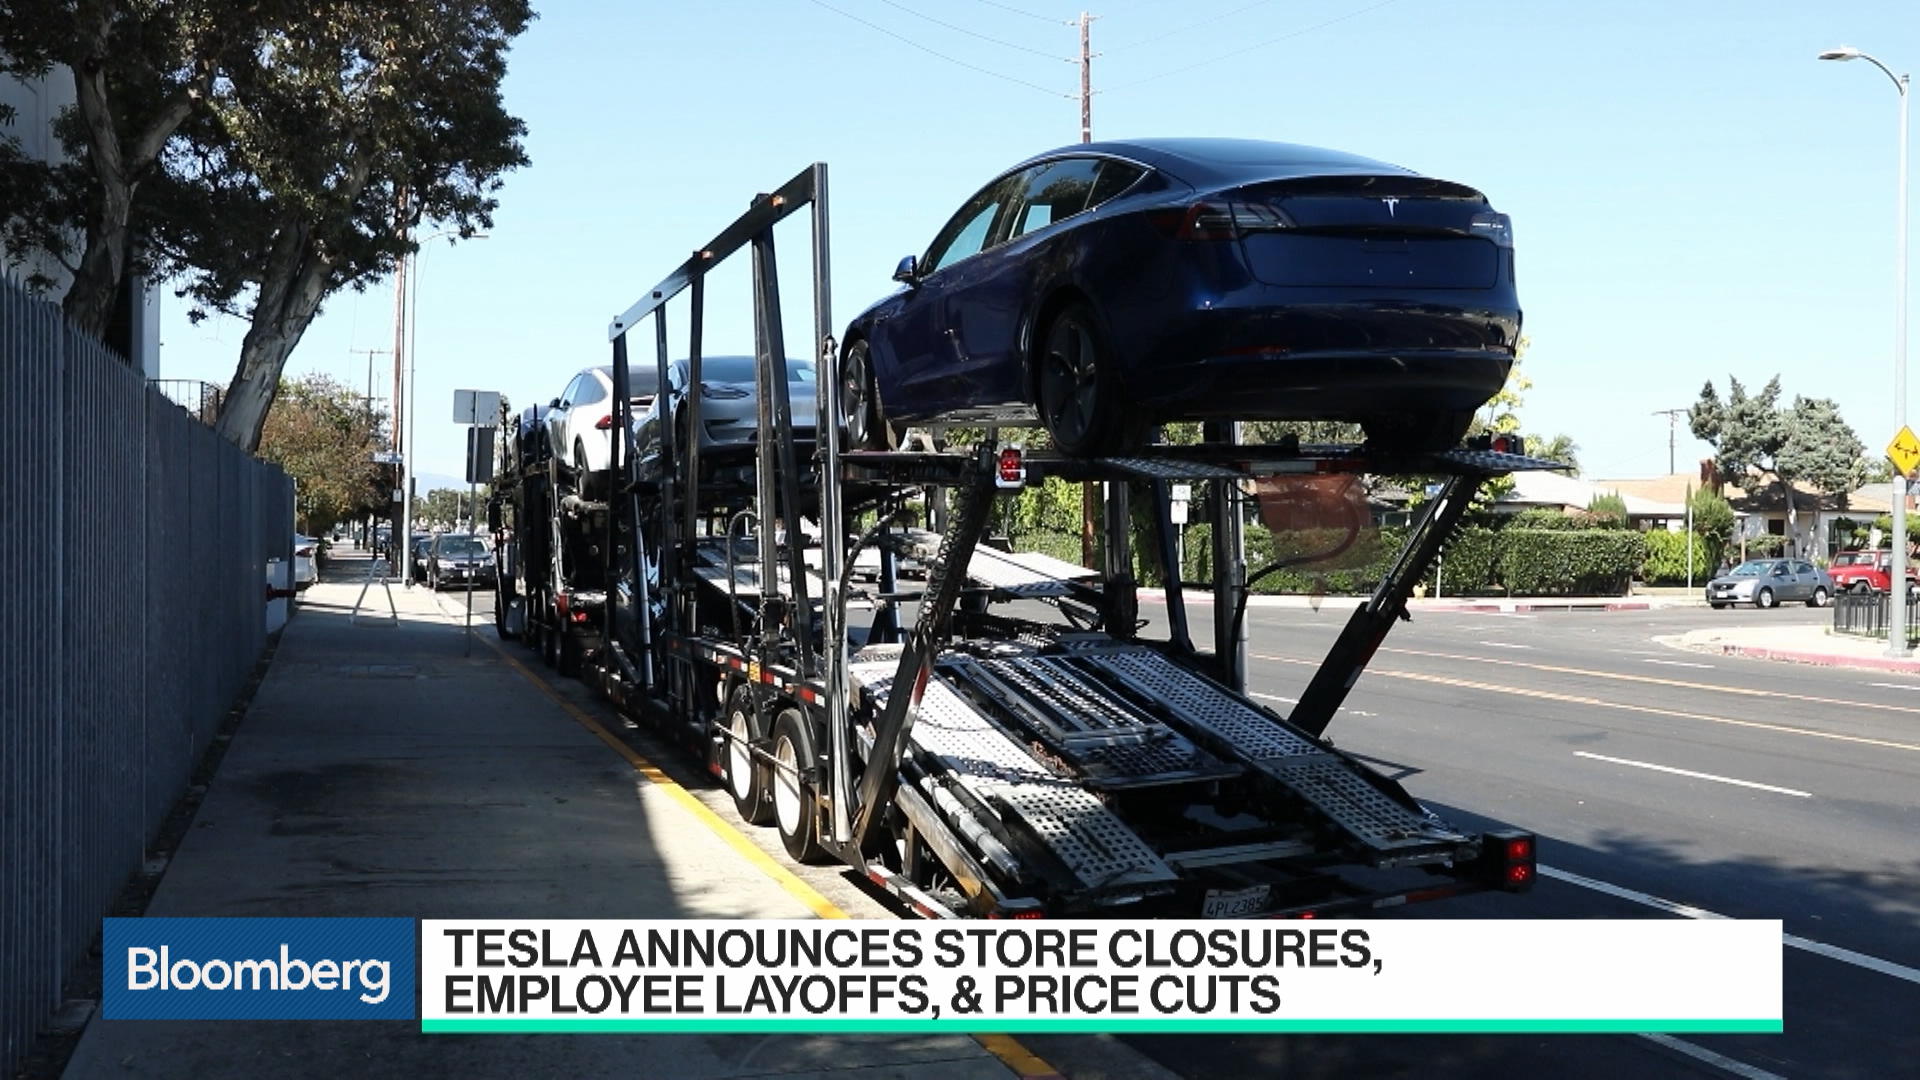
(133, 550)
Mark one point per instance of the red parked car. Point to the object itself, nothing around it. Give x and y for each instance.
(1867, 571)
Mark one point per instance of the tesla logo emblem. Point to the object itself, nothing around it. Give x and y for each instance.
(1390, 205)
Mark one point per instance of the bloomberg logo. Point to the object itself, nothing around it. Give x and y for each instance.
(258, 969)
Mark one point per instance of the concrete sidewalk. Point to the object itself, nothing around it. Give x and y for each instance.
(380, 771)
(1804, 644)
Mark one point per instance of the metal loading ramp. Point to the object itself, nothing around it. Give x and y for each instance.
(1325, 781)
(1095, 845)
(1012, 574)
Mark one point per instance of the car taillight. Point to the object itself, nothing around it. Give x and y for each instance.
(303, 553)
(1494, 226)
(604, 423)
(1221, 220)
(1508, 444)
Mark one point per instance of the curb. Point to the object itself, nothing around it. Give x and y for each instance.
(1796, 656)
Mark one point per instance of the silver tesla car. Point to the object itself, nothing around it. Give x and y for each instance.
(728, 413)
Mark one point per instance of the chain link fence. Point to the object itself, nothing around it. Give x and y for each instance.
(134, 544)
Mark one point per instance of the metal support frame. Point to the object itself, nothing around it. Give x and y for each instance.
(894, 725)
(1229, 567)
(1371, 621)
(1167, 547)
(776, 416)
(1120, 599)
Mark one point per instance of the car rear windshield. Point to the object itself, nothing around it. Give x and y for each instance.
(462, 548)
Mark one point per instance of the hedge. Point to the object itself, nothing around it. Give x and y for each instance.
(1540, 562)
(1667, 559)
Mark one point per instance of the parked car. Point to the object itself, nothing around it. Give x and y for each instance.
(457, 558)
(306, 569)
(1868, 572)
(422, 543)
(578, 421)
(729, 411)
(1766, 583)
(1106, 287)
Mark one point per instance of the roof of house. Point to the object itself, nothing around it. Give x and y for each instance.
(1762, 498)
(1552, 489)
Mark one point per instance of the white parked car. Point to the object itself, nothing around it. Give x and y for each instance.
(305, 566)
(580, 421)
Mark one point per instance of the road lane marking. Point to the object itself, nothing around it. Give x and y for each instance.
(1505, 645)
(1708, 1057)
(1793, 941)
(1655, 680)
(1895, 685)
(1623, 706)
(1296, 701)
(1679, 663)
(1695, 775)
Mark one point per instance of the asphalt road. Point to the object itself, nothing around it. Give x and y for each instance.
(1797, 797)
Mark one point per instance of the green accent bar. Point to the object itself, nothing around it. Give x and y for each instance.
(1106, 1025)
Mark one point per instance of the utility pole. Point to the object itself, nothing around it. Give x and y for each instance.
(370, 354)
(1086, 77)
(402, 542)
(1673, 428)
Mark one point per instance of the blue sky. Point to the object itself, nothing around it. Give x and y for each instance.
(1693, 194)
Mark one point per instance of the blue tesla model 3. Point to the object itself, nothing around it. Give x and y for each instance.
(1105, 288)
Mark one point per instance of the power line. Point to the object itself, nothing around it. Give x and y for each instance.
(934, 52)
(1024, 11)
(971, 33)
(1190, 26)
(1250, 48)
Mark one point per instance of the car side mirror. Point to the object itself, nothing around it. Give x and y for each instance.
(554, 404)
(907, 271)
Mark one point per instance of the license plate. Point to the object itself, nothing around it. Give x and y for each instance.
(1232, 903)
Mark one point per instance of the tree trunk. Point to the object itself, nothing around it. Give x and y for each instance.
(289, 299)
(1793, 536)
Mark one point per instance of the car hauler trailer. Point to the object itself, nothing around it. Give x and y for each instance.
(1016, 748)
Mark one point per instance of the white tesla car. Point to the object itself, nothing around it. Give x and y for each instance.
(580, 421)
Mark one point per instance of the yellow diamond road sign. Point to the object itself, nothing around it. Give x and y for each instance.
(1904, 451)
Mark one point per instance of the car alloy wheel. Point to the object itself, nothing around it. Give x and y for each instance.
(1077, 400)
(1819, 597)
(860, 401)
(1763, 598)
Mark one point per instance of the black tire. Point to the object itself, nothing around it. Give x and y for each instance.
(1819, 597)
(581, 476)
(860, 412)
(1407, 433)
(1077, 391)
(749, 780)
(569, 654)
(1716, 605)
(1860, 588)
(1764, 599)
(795, 807)
(550, 645)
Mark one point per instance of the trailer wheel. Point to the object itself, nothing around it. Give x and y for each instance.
(747, 778)
(567, 652)
(794, 804)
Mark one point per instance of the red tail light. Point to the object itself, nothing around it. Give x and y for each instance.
(1508, 859)
(605, 423)
(1018, 908)
(1012, 469)
(1509, 444)
(303, 553)
(1221, 220)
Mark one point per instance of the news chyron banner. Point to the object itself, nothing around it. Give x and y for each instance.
(759, 976)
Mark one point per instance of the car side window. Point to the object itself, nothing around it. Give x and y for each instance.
(1052, 192)
(571, 394)
(969, 231)
(1115, 177)
(1802, 568)
(590, 390)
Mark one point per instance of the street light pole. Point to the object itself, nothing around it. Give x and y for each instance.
(1897, 573)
